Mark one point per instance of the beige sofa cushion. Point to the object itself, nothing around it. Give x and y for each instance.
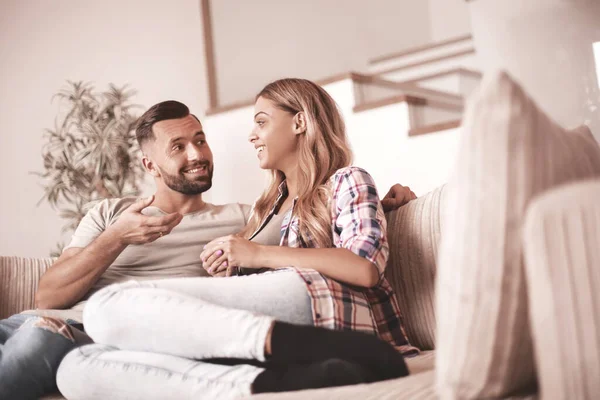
(509, 152)
(413, 235)
(19, 279)
(55, 396)
(562, 253)
(418, 386)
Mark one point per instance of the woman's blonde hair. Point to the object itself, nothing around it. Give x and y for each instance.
(322, 150)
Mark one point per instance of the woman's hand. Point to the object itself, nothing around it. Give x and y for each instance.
(230, 251)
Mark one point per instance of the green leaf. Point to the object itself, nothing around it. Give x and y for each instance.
(91, 152)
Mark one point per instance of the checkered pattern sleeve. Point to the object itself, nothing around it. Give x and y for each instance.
(359, 223)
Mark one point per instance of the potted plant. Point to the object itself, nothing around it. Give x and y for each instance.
(92, 152)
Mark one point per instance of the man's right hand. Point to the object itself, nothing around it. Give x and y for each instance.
(78, 269)
(133, 227)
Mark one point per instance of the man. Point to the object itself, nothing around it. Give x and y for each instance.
(157, 237)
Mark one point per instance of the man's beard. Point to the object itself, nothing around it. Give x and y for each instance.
(180, 183)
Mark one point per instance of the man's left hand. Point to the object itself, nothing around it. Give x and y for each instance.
(396, 197)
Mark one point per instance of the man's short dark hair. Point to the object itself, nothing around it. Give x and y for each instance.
(165, 110)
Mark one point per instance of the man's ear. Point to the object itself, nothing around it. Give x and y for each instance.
(150, 167)
(299, 123)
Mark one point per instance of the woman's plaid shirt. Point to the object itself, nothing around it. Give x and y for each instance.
(359, 225)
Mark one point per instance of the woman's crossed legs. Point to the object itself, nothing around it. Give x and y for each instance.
(152, 334)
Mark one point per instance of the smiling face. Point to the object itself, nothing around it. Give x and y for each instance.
(179, 155)
(275, 135)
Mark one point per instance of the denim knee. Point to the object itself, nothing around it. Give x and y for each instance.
(31, 356)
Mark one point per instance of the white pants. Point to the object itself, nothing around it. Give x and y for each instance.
(151, 335)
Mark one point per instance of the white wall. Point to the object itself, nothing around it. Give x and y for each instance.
(449, 18)
(381, 145)
(237, 176)
(547, 46)
(391, 26)
(263, 40)
(156, 46)
(597, 61)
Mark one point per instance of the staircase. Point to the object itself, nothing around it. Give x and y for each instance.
(436, 78)
(426, 60)
(427, 107)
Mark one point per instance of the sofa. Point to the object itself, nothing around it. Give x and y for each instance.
(506, 305)
(415, 228)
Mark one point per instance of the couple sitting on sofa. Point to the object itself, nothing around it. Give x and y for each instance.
(319, 229)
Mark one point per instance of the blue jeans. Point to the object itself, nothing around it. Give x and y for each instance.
(31, 349)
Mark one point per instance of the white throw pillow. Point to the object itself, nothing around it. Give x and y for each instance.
(510, 152)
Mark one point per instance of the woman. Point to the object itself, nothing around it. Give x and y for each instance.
(319, 226)
(337, 214)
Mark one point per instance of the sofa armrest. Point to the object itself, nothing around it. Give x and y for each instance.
(414, 236)
(19, 279)
(562, 267)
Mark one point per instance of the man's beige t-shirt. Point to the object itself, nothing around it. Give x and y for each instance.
(175, 255)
